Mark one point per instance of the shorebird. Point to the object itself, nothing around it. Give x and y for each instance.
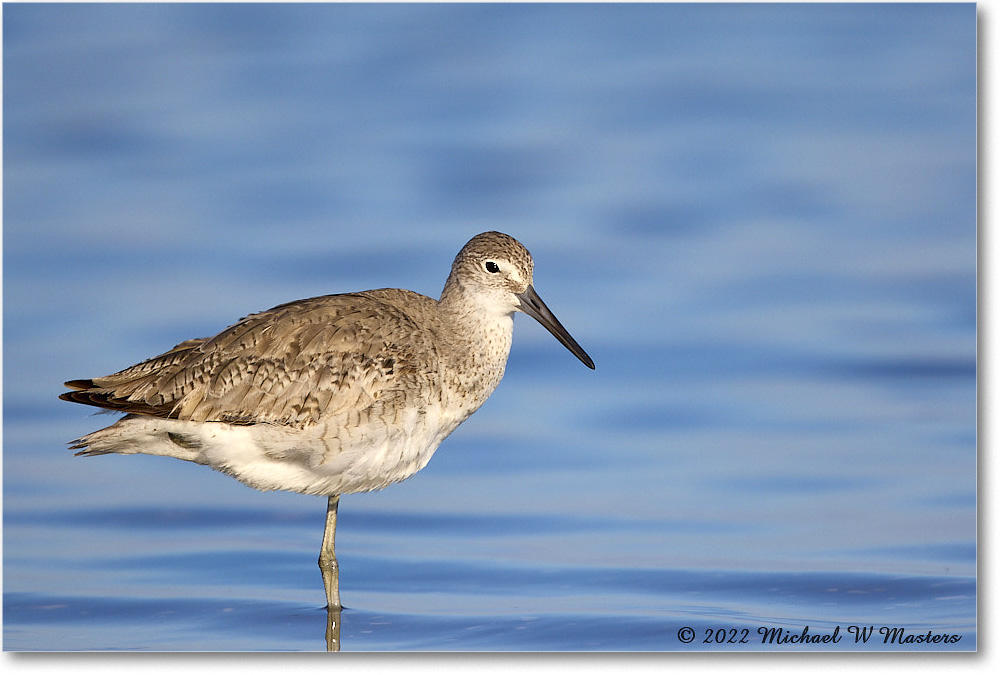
(330, 395)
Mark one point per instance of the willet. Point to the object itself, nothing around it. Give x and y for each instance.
(330, 395)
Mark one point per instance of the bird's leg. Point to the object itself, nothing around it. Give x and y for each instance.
(328, 558)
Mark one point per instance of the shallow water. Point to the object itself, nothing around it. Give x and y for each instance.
(758, 220)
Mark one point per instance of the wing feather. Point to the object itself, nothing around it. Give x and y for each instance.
(295, 365)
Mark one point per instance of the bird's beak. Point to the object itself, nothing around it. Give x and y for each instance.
(533, 306)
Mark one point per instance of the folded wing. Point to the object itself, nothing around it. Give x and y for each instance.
(294, 365)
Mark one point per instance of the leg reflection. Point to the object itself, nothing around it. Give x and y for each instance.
(333, 629)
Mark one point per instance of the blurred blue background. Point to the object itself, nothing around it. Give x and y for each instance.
(759, 220)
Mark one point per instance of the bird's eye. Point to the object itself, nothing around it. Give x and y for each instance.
(492, 267)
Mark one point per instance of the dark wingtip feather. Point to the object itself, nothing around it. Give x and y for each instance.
(84, 397)
(79, 384)
(103, 398)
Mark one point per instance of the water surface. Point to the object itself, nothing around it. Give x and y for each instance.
(759, 220)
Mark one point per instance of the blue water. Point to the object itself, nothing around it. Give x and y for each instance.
(760, 221)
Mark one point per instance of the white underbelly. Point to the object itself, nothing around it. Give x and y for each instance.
(318, 462)
(330, 459)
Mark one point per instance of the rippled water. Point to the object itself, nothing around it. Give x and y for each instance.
(759, 220)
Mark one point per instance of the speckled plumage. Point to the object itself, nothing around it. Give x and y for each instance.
(330, 395)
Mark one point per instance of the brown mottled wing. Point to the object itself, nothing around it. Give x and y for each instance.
(291, 365)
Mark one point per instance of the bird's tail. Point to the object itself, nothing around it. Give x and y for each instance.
(138, 434)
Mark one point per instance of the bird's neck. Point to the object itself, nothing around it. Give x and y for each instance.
(480, 341)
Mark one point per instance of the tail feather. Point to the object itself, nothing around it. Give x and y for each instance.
(97, 443)
(85, 451)
(138, 434)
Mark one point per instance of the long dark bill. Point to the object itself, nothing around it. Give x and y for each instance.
(533, 306)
